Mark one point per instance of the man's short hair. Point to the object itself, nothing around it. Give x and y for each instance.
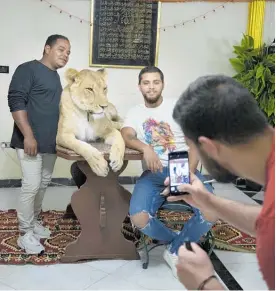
(220, 108)
(52, 39)
(150, 69)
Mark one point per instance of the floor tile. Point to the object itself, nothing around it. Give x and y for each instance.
(259, 196)
(130, 268)
(111, 282)
(148, 278)
(60, 276)
(5, 287)
(247, 275)
(107, 266)
(228, 257)
(7, 270)
(223, 273)
(229, 191)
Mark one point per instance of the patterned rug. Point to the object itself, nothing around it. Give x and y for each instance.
(65, 231)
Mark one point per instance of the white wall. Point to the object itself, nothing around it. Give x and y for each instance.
(269, 22)
(185, 53)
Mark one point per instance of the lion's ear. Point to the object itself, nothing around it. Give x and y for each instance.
(103, 72)
(70, 75)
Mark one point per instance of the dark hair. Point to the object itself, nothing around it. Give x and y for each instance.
(220, 108)
(52, 39)
(151, 69)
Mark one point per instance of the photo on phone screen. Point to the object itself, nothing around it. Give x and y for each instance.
(179, 170)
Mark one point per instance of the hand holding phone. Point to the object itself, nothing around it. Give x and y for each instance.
(179, 171)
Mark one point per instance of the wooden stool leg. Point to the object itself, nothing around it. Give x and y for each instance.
(101, 206)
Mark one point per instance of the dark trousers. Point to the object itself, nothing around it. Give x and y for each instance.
(77, 175)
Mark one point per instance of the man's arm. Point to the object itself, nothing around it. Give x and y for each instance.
(150, 157)
(19, 90)
(21, 119)
(240, 215)
(131, 140)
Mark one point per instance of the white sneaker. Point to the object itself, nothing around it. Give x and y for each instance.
(40, 231)
(30, 244)
(171, 260)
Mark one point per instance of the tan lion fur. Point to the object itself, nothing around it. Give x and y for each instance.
(85, 116)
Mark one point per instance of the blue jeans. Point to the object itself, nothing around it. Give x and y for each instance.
(146, 198)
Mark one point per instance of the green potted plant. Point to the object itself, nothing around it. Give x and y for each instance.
(255, 69)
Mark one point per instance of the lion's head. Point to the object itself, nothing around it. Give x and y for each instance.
(88, 89)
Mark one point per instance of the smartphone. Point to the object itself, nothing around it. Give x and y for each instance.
(179, 170)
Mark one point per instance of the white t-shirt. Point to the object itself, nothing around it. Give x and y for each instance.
(156, 127)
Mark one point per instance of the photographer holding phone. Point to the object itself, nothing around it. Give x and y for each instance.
(150, 128)
(232, 136)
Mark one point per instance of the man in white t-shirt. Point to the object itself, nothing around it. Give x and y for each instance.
(150, 129)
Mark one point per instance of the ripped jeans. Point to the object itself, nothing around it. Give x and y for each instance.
(146, 198)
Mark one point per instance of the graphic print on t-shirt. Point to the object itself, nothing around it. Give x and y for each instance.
(159, 135)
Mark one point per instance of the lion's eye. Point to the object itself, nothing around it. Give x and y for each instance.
(105, 88)
(89, 89)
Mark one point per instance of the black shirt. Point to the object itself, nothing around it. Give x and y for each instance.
(36, 89)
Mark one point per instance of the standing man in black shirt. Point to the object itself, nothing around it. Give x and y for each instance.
(33, 98)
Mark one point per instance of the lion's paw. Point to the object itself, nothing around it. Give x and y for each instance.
(116, 161)
(99, 166)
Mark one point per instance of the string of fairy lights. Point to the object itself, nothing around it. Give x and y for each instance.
(163, 28)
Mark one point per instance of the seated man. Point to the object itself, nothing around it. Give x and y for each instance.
(150, 128)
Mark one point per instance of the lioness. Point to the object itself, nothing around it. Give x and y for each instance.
(85, 116)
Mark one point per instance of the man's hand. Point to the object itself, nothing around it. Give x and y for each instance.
(197, 196)
(152, 160)
(21, 119)
(194, 267)
(30, 146)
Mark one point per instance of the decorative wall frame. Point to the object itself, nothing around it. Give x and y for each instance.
(124, 34)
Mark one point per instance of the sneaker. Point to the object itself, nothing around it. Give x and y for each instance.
(40, 231)
(171, 260)
(30, 244)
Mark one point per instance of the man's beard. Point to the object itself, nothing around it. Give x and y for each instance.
(219, 173)
(152, 100)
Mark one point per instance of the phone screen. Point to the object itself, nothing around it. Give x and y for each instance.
(179, 170)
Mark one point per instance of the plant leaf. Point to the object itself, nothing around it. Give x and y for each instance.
(267, 74)
(247, 42)
(238, 50)
(260, 72)
(262, 103)
(271, 90)
(250, 40)
(237, 64)
(270, 107)
(255, 88)
(255, 70)
(254, 53)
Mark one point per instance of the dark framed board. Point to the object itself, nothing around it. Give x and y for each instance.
(124, 33)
